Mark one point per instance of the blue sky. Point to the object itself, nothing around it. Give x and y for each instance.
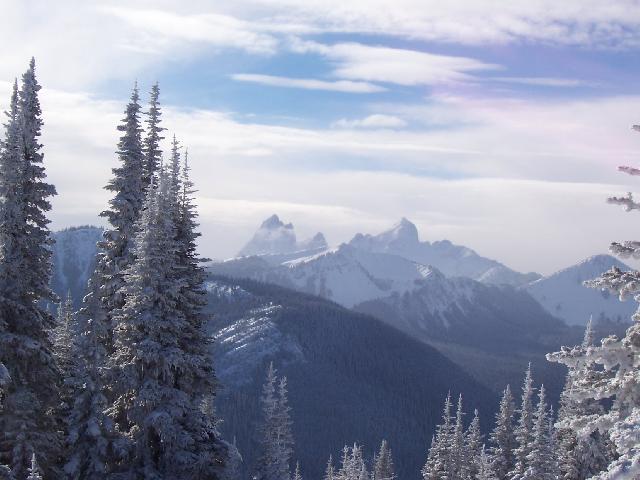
(498, 125)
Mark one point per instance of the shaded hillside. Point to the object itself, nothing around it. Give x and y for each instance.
(351, 377)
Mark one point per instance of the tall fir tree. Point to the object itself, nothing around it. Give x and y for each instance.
(540, 461)
(485, 470)
(580, 457)
(89, 432)
(153, 137)
(162, 371)
(116, 249)
(438, 463)
(297, 475)
(34, 469)
(615, 378)
(276, 437)
(329, 473)
(383, 466)
(524, 429)
(503, 438)
(474, 447)
(27, 422)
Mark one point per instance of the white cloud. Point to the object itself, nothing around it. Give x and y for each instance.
(523, 182)
(545, 81)
(210, 28)
(590, 23)
(371, 121)
(309, 83)
(356, 61)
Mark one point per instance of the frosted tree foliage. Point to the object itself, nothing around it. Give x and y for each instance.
(383, 464)
(524, 429)
(34, 469)
(151, 142)
(126, 185)
(617, 377)
(27, 420)
(439, 457)
(161, 370)
(503, 437)
(88, 436)
(276, 441)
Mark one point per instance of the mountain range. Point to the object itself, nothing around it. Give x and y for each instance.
(395, 262)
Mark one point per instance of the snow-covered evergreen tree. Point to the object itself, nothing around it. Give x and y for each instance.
(541, 462)
(474, 447)
(296, 473)
(617, 378)
(580, 457)
(89, 430)
(459, 456)
(63, 335)
(383, 465)
(275, 431)
(161, 367)
(329, 473)
(151, 142)
(485, 469)
(438, 463)
(5, 472)
(503, 438)
(524, 429)
(116, 250)
(34, 469)
(27, 420)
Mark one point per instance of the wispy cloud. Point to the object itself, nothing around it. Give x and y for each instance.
(545, 81)
(357, 61)
(371, 121)
(309, 83)
(209, 28)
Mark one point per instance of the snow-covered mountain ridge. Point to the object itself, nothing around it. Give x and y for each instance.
(563, 294)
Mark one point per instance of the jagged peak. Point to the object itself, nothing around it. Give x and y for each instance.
(274, 222)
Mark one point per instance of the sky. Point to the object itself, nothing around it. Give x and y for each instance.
(496, 125)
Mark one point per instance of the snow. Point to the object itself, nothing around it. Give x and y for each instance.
(276, 237)
(563, 294)
(453, 260)
(242, 346)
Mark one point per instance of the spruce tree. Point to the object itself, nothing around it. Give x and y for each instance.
(89, 430)
(27, 422)
(162, 373)
(615, 378)
(151, 142)
(524, 429)
(459, 458)
(474, 447)
(329, 473)
(115, 253)
(438, 464)
(296, 474)
(485, 470)
(581, 457)
(276, 437)
(383, 466)
(34, 469)
(503, 438)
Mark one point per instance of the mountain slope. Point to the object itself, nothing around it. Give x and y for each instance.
(564, 295)
(351, 377)
(491, 331)
(73, 259)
